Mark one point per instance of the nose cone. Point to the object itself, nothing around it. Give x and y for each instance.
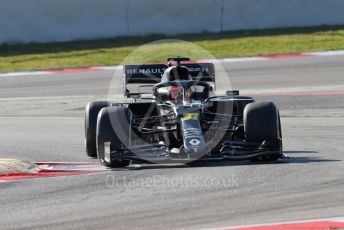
(192, 135)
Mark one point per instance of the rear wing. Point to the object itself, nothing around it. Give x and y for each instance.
(151, 73)
(145, 74)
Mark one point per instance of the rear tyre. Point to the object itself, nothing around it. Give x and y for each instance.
(262, 122)
(113, 129)
(92, 110)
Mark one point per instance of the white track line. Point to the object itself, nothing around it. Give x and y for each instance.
(327, 53)
(15, 74)
(45, 98)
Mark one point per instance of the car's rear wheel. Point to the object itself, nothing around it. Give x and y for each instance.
(92, 110)
(113, 130)
(262, 123)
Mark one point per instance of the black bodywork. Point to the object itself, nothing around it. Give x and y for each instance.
(208, 128)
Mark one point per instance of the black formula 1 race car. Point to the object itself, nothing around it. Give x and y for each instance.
(180, 120)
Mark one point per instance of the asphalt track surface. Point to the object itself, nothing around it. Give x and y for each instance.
(309, 185)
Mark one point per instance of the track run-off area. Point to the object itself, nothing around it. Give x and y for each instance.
(41, 120)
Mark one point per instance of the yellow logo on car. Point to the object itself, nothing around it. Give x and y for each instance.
(191, 116)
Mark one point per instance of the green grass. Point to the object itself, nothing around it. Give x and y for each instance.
(38, 56)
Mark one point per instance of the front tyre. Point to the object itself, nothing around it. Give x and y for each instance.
(91, 114)
(262, 123)
(113, 130)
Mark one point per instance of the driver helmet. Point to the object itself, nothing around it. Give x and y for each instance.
(176, 73)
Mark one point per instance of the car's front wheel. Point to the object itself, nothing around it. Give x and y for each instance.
(91, 114)
(262, 123)
(113, 130)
